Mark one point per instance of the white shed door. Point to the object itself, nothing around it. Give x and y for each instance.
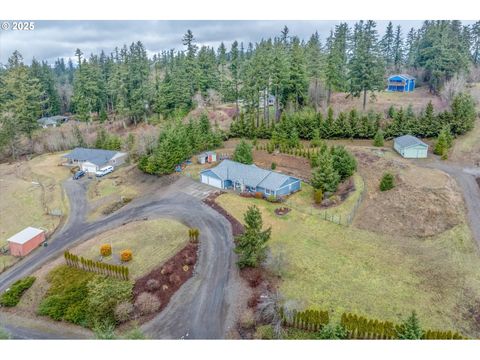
(211, 181)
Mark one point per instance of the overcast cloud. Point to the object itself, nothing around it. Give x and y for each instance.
(53, 39)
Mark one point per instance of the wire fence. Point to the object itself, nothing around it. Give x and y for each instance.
(340, 219)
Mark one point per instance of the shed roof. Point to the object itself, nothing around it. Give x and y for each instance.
(206, 153)
(98, 157)
(405, 76)
(406, 141)
(25, 235)
(250, 175)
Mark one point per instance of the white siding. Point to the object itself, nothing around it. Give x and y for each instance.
(89, 167)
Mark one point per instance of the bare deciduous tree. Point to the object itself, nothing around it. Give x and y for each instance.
(452, 87)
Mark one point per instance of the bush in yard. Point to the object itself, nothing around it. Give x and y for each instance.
(12, 297)
(134, 334)
(333, 332)
(324, 177)
(344, 163)
(174, 279)
(123, 311)
(104, 294)
(243, 153)
(444, 143)
(106, 250)
(104, 331)
(273, 166)
(387, 182)
(317, 196)
(272, 198)
(378, 139)
(126, 255)
(152, 284)
(314, 160)
(251, 245)
(147, 303)
(258, 195)
(410, 329)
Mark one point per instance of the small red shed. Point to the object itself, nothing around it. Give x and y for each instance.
(25, 241)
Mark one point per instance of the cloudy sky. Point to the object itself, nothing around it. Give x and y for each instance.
(53, 39)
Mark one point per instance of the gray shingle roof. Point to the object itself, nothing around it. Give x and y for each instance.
(249, 175)
(406, 141)
(98, 157)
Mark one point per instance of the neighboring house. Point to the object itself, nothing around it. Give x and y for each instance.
(207, 157)
(91, 160)
(410, 147)
(250, 178)
(52, 121)
(401, 83)
(270, 101)
(25, 241)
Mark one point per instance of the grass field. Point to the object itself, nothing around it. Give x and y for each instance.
(30, 190)
(341, 268)
(152, 243)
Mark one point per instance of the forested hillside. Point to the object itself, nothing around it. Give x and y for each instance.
(298, 74)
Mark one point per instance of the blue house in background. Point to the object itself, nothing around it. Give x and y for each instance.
(249, 178)
(401, 82)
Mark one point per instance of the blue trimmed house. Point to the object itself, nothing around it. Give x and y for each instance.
(249, 178)
(401, 83)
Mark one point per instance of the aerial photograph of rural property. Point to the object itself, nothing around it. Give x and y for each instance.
(258, 180)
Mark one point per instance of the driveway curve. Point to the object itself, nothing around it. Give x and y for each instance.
(201, 308)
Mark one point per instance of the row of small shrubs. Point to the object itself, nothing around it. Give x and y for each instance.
(309, 320)
(12, 297)
(118, 271)
(193, 234)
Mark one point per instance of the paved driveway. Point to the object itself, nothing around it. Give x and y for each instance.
(201, 307)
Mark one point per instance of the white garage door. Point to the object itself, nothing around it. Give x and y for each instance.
(211, 181)
(89, 168)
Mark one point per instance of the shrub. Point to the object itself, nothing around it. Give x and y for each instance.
(123, 311)
(410, 329)
(174, 279)
(317, 196)
(167, 269)
(126, 255)
(243, 153)
(272, 198)
(152, 284)
(134, 334)
(378, 140)
(106, 250)
(273, 166)
(104, 331)
(185, 268)
(13, 295)
(387, 182)
(333, 332)
(147, 303)
(258, 195)
(344, 163)
(325, 177)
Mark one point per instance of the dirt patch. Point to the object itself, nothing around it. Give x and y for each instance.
(169, 277)
(424, 202)
(282, 211)
(237, 227)
(287, 164)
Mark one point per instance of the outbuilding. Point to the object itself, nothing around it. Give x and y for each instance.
(410, 147)
(249, 178)
(207, 157)
(401, 83)
(25, 241)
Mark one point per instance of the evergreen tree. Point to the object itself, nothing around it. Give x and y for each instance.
(243, 153)
(410, 328)
(365, 67)
(378, 140)
(344, 163)
(336, 61)
(324, 177)
(251, 245)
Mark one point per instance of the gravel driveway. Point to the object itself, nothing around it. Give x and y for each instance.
(202, 307)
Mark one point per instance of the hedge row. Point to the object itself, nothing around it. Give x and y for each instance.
(309, 320)
(12, 297)
(118, 271)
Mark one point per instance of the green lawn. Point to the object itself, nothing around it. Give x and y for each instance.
(341, 268)
(152, 243)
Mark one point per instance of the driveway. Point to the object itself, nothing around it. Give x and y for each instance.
(201, 307)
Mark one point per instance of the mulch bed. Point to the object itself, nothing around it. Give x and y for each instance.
(282, 211)
(237, 227)
(171, 276)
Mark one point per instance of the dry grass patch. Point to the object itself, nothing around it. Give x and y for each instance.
(381, 276)
(152, 242)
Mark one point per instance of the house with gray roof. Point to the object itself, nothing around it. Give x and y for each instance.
(92, 160)
(52, 121)
(410, 147)
(250, 178)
